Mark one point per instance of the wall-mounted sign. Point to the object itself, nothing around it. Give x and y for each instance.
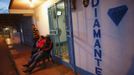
(85, 3)
(117, 13)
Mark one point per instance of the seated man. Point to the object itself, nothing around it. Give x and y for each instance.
(36, 37)
(39, 44)
(34, 43)
(44, 52)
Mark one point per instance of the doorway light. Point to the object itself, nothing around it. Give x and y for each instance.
(28, 2)
(32, 3)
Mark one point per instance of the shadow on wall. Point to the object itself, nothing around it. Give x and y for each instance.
(131, 70)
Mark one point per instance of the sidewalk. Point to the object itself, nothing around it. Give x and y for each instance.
(20, 56)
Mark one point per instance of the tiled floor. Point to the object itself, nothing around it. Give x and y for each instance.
(6, 65)
(21, 55)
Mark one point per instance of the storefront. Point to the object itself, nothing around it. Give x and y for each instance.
(61, 35)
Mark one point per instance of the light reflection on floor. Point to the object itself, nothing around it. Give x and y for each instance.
(9, 42)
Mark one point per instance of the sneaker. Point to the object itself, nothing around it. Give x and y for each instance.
(25, 65)
(27, 71)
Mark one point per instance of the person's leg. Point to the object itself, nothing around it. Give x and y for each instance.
(33, 64)
(31, 60)
(34, 51)
(38, 58)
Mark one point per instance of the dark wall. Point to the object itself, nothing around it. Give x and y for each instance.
(9, 20)
(26, 25)
(19, 22)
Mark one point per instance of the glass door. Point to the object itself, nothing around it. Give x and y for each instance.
(58, 31)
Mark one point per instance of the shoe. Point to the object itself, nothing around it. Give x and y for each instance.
(25, 65)
(27, 71)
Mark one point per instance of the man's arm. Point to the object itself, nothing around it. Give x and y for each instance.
(49, 46)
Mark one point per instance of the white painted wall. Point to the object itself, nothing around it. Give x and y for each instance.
(117, 41)
(40, 17)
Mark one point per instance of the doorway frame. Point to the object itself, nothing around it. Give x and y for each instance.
(69, 31)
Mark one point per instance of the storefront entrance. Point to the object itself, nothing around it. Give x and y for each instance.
(58, 27)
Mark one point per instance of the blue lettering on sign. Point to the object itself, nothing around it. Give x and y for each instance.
(96, 23)
(97, 37)
(97, 44)
(98, 61)
(95, 3)
(95, 12)
(97, 53)
(98, 71)
(97, 33)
